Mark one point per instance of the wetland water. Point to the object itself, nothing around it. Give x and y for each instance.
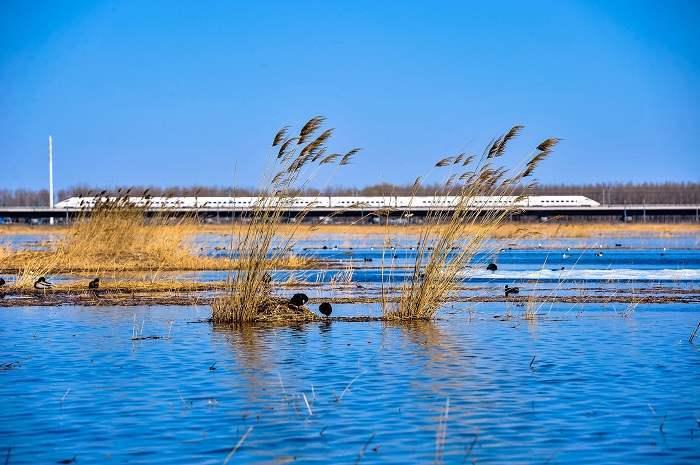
(580, 384)
(601, 389)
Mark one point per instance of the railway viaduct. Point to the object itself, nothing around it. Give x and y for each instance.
(608, 213)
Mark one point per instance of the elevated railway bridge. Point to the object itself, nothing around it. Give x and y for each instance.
(602, 213)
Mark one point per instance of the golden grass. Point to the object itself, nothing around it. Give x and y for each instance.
(10, 229)
(506, 231)
(118, 236)
(55, 262)
(28, 266)
(448, 240)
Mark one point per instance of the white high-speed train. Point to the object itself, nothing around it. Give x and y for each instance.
(334, 202)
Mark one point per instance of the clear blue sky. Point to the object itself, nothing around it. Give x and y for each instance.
(182, 93)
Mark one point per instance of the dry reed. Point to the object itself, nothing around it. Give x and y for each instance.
(450, 238)
(249, 296)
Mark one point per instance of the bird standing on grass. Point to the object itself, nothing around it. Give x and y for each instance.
(492, 267)
(511, 290)
(42, 283)
(94, 284)
(326, 309)
(298, 300)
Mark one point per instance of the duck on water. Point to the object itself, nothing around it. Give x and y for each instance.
(42, 283)
(326, 309)
(511, 290)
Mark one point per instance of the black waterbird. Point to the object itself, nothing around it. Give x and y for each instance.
(94, 284)
(2, 282)
(42, 283)
(298, 300)
(511, 290)
(325, 308)
(492, 267)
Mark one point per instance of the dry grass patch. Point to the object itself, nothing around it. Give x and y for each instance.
(116, 235)
(507, 230)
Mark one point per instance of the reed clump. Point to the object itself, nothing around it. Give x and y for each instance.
(531, 309)
(112, 234)
(295, 161)
(450, 238)
(118, 234)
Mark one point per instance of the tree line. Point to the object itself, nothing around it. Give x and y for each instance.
(607, 193)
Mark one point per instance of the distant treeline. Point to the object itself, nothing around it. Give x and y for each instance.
(649, 193)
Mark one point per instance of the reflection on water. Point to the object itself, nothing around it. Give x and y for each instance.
(564, 389)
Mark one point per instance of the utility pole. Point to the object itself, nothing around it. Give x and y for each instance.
(51, 177)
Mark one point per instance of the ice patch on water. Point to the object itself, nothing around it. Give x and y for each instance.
(606, 274)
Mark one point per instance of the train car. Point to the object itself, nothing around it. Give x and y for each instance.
(557, 201)
(71, 202)
(436, 201)
(495, 201)
(254, 202)
(320, 201)
(362, 202)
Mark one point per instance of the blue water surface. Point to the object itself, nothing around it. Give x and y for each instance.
(575, 386)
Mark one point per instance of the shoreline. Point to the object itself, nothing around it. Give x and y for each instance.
(204, 294)
(506, 231)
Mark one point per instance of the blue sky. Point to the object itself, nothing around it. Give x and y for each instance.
(182, 93)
